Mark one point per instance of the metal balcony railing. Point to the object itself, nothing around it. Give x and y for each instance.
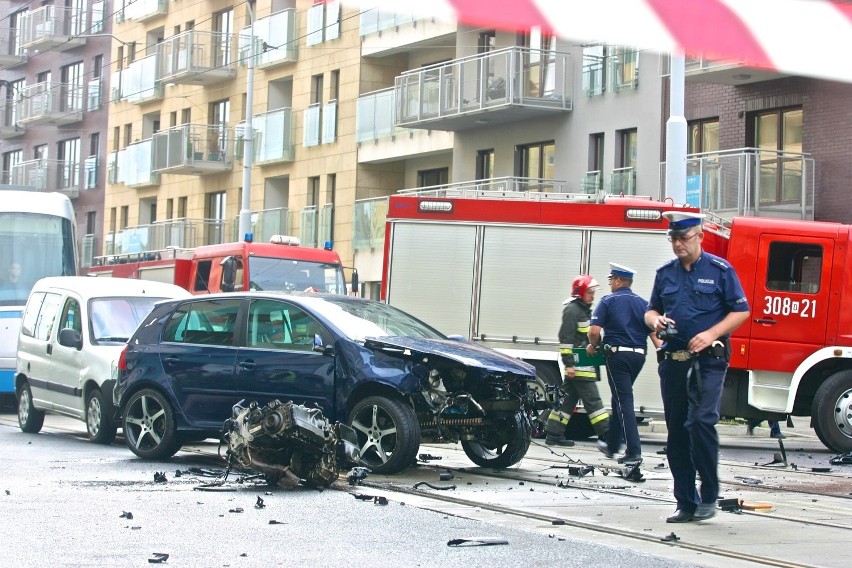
(138, 83)
(144, 10)
(53, 27)
(529, 79)
(11, 55)
(50, 103)
(273, 139)
(197, 57)
(9, 124)
(135, 165)
(48, 175)
(374, 20)
(369, 217)
(623, 181)
(497, 188)
(751, 181)
(183, 232)
(194, 149)
(374, 116)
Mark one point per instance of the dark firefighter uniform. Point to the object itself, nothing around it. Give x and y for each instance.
(691, 386)
(621, 315)
(573, 338)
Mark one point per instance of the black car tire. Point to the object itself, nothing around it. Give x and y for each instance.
(388, 433)
(99, 423)
(502, 455)
(149, 426)
(29, 419)
(830, 412)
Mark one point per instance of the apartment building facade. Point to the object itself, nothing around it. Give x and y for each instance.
(54, 76)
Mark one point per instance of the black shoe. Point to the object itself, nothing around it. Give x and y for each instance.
(604, 449)
(680, 516)
(630, 460)
(704, 511)
(554, 440)
(777, 435)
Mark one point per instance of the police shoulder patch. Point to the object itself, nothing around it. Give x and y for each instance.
(667, 264)
(719, 262)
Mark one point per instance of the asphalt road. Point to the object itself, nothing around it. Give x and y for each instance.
(65, 502)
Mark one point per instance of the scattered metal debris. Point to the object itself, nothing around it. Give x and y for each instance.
(158, 558)
(730, 505)
(160, 477)
(379, 500)
(357, 474)
(126, 515)
(671, 537)
(431, 486)
(287, 442)
(260, 504)
(428, 457)
(274, 522)
(581, 470)
(363, 497)
(477, 541)
(446, 476)
(749, 480)
(236, 510)
(841, 459)
(821, 469)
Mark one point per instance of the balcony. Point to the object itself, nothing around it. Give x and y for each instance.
(751, 181)
(48, 175)
(10, 55)
(501, 86)
(53, 28)
(196, 58)
(386, 33)
(9, 124)
(379, 140)
(142, 10)
(193, 149)
(275, 40)
(138, 82)
(88, 250)
(368, 223)
(622, 181)
(160, 235)
(50, 103)
(504, 188)
(268, 222)
(273, 137)
(316, 225)
(134, 166)
(705, 70)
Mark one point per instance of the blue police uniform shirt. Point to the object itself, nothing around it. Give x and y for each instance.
(622, 317)
(697, 299)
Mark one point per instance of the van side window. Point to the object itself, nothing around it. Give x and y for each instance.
(71, 318)
(47, 316)
(202, 276)
(794, 267)
(28, 323)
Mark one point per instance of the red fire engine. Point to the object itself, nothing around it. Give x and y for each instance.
(278, 265)
(496, 270)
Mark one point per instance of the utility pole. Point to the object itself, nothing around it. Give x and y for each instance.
(248, 134)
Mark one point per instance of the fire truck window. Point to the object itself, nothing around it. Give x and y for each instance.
(202, 275)
(794, 267)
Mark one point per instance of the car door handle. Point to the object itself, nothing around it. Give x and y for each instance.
(170, 360)
(49, 349)
(248, 365)
(766, 321)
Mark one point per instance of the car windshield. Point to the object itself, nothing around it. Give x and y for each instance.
(115, 319)
(289, 275)
(373, 319)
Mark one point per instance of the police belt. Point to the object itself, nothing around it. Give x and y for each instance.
(617, 348)
(715, 351)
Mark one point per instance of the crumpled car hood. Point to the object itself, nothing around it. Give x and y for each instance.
(466, 353)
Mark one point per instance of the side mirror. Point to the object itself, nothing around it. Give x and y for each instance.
(320, 347)
(70, 338)
(229, 273)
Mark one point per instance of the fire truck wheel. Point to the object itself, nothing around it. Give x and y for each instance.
(149, 426)
(99, 424)
(832, 412)
(388, 433)
(500, 455)
(29, 419)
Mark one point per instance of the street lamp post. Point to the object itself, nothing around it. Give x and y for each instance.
(248, 135)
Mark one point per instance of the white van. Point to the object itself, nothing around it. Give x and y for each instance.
(72, 332)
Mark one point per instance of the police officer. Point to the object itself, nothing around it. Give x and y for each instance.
(696, 302)
(621, 317)
(579, 373)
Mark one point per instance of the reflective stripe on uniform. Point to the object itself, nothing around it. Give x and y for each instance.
(585, 372)
(596, 417)
(559, 416)
(584, 326)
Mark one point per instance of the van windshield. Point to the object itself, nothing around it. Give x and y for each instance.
(113, 320)
(290, 275)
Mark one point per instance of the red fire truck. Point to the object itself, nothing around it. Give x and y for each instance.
(278, 265)
(497, 268)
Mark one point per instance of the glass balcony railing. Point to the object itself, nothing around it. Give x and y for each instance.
(135, 163)
(196, 57)
(9, 124)
(48, 175)
(144, 10)
(138, 83)
(374, 116)
(369, 217)
(503, 188)
(507, 84)
(88, 250)
(623, 181)
(751, 181)
(269, 222)
(194, 149)
(273, 139)
(374, 20)
(53, 27)
(11, 55)
(50, 103)
(275, 40)
(592, 182)
(178, 233)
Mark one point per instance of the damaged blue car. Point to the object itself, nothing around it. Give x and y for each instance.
(395, 380)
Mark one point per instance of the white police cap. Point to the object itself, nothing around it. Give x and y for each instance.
(620, 270)
(681, 221)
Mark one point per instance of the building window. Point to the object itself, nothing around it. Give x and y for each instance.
(777, 134)
(125, 217)
(181, 209)
(91, 222)
(593, 180)
(702, 136)
(485, 164)
(537, 161)
(623, 181)
(429, 178)
(623, 66)
(594, 65)
(215, 210)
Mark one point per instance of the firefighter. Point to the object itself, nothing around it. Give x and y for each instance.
(580, 373)
(696, 302)
(620, 316)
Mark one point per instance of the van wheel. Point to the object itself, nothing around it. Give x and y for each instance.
(29, 419)
(149, 426)
(99, 424)
(388, 433)
(831, 411)
(502, 454)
